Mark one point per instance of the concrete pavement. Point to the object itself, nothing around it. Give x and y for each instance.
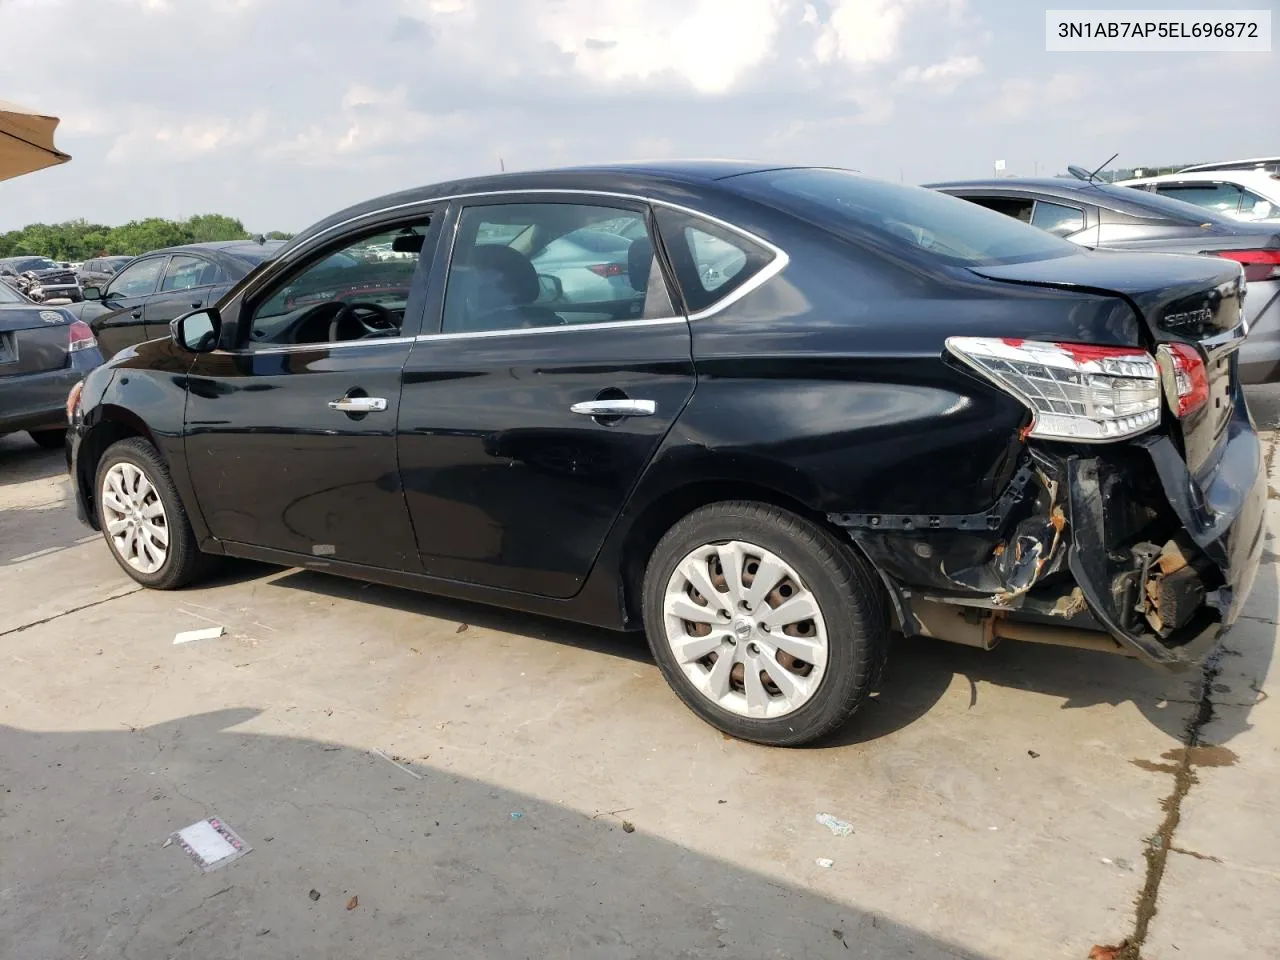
(1003, 803)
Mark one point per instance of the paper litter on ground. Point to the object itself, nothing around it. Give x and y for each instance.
(209, 633)
(211, 843)
(841, 828)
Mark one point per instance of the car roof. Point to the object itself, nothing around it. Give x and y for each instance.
(624, 177)
(240, 249)
(1123, 199)
(1257, 177)
(1224, 165)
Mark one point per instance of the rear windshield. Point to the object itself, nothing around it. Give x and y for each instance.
(1159, 207)
(952, 230)
(9, 295)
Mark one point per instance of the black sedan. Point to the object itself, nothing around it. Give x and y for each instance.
(138, 302)
(883, 407)
(1103, 216)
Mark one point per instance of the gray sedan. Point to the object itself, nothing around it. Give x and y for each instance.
(1120, 218)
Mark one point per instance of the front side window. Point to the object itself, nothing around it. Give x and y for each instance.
(138, 280)
(184, 272)
(519, 266)
(1057, 218)
(356, 292)
(909, 219)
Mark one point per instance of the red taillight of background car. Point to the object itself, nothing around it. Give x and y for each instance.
(1186, 381)
(1076, 391)
(80, 337)
(1258, 264)
(607, 269)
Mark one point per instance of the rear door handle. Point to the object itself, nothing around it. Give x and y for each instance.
(615, 408)
(359, 404)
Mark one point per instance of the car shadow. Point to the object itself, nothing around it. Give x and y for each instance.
(626, 646)
(349, 848)
(919, 671)
(21, 461)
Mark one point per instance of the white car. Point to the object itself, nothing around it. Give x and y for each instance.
(1240, 194)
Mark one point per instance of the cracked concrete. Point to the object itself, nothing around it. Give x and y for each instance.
(997, 808)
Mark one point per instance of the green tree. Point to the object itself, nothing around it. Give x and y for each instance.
(214, 226)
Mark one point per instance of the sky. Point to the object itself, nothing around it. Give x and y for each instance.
(280, 112)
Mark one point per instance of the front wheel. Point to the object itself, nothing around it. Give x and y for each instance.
(142, 517)
(763, 623)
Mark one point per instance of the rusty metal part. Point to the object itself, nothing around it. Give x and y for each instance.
(992, 518)
(1042, 557)
(985, 629)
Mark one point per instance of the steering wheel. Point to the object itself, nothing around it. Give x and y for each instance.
(380, 322)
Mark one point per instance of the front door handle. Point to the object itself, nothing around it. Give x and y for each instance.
(616, 408)
(359, 404)
(137, 314)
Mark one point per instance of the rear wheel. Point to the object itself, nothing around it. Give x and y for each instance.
(49, 439)
(143, 519)
(763, 623)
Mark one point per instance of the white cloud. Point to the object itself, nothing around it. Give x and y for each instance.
(944, 76)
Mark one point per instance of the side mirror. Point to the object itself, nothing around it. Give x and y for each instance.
(91, 293)
(550, 289)
(197, 331)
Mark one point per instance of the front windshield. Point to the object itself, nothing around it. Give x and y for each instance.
(34, 263)
(912, 218)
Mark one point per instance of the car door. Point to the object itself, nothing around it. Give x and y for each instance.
(117, 317)
(290, 427)
(531, 412)
(186, 284)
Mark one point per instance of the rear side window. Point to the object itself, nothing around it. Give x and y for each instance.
(1017, 207)
(1254, 207)
(522, 266)
(898, 217)
(711, 262)
(1057, 218)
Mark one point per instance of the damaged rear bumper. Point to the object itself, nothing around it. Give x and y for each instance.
(1118, 538)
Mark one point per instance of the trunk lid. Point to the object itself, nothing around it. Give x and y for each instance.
(33, 339)
(1186, 299)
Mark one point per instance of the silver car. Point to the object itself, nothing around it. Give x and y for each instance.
(1111, 217)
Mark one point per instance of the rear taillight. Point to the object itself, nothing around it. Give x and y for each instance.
(1258, 264)
(607, 269)
(80, 337)
(1075, 391)
(1186, 381)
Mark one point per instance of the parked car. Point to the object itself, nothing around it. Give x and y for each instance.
(900, 408)
(41, 280)
(99, 271)
(1270, 164)
(138, 302)
(1110, 217)
(1240, 194)
(44, 351)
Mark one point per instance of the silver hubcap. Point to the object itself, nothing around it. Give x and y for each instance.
(745, 629)
(133, 518)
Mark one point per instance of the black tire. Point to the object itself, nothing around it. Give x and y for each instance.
(49, 439)
(184, 563)
(847, 591)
